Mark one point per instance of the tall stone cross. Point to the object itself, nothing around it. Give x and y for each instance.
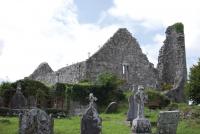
(140, 99)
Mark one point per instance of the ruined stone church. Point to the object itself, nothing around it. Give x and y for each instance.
(122, 55)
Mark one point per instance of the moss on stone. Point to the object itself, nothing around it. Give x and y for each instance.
(179, 27)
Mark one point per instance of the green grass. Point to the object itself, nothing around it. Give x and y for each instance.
(112, 123)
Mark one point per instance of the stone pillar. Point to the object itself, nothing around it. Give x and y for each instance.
(141, 125)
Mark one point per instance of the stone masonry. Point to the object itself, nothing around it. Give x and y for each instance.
(122, 55)
(172, 62)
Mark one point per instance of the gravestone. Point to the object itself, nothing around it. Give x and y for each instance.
(167, 122)
(18, 101)
(91, 122)
(1, 102)
(141, 125)
(111, 108)
(35, 121)
(133, 107)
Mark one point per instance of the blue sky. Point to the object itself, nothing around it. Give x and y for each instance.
(62, 32)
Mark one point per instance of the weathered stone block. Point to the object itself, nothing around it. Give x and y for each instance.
(168, 122)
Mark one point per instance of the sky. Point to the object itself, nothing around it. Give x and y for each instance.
(63, 32)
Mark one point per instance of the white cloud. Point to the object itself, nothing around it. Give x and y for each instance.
(161, 13)
(34, 31)
(45, 30)
(1, 47)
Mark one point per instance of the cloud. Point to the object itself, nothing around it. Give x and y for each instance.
(1, 47)
(35, 31)
(162, 13)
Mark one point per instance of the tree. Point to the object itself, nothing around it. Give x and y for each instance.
(193, 84)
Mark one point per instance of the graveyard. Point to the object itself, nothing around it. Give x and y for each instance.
(112, 123)
(115, 91)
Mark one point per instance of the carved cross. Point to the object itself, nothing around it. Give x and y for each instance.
(140, 98)
(92, 98)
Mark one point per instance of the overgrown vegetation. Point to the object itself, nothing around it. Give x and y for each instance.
(179, 27)
(105, 89)
(166, 86)
(193, 85)
(156, 99)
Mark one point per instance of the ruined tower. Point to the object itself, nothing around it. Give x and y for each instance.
(172, 62)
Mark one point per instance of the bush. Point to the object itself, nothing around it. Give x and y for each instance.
(156, 99)
(166, 86)
(193, 85)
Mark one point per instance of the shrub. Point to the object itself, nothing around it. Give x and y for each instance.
(179, 27)
(156, 99)
(166, 86)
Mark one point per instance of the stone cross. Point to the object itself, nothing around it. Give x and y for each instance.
(141, 125)
(92, 99)
(140, 99)
(91, 123)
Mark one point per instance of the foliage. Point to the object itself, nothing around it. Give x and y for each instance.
(166, 86)
(105, 89)
(109, 80)
(179, 27)
(156, 99)
(28, 87)
(193, 85)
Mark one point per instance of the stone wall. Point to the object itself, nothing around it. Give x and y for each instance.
(123, 56)
(172, 62)
(70, 74)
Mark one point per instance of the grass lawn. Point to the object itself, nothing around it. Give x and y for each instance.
(112, 124)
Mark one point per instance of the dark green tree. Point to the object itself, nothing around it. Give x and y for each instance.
(193, 84)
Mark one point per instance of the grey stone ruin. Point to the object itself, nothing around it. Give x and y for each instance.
(133, 107)
(141, 125)
(167, 122)
(35, 121)
(91, 123)
(18, 101)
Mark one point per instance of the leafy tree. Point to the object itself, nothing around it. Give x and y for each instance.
(193, 84)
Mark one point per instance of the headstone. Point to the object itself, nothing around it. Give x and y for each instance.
(1, 102)
(111, 108)
(18, 101)
(168, 122)
(35, 121)
(133, 107)
(91, 122)
(141, 125)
